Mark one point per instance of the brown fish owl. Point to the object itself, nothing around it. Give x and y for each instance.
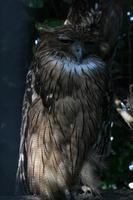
(64, 112)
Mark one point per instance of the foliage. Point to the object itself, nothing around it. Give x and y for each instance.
(119, 171)
(48, 22)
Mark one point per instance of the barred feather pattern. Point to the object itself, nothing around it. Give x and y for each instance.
(64, 110)
(29, 97)
(85, 13)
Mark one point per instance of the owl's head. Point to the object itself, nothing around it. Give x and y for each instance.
(66, 55)
(73, 43)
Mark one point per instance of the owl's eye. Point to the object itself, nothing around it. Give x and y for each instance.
(65, 39)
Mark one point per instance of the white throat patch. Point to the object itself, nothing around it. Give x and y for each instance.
(68, 65)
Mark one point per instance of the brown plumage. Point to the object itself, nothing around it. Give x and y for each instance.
(65, 108)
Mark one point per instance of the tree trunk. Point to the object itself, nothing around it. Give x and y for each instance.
(16, 29)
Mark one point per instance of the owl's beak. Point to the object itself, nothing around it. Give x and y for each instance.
(77, 50)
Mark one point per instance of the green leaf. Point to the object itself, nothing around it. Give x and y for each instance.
(48, 22)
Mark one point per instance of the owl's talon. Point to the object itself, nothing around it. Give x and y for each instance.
(87, 193)
(87, 190)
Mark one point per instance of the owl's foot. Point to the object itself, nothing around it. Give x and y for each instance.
(87, 193)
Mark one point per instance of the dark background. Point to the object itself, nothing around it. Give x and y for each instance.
(18, 19)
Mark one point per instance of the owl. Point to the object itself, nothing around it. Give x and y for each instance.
(66, 108)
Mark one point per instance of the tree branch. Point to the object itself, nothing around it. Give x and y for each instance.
(106, 195)
(125, 108)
